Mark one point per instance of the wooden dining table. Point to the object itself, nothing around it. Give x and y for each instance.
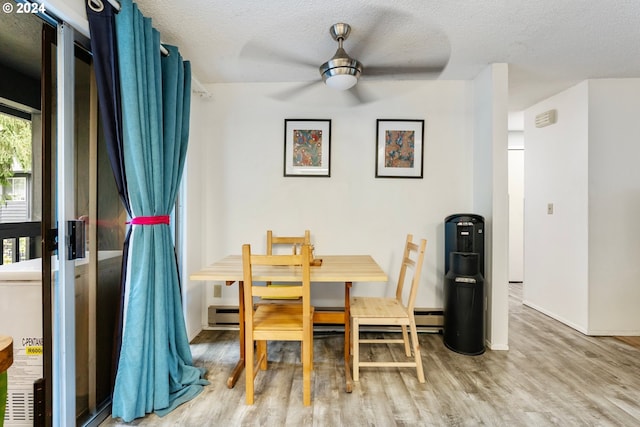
(345, 269)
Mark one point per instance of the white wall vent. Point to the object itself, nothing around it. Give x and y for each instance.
(547, 118)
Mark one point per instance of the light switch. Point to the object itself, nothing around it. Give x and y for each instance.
(549, 208)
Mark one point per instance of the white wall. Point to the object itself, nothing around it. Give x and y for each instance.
(556, 246)
(614, 206)
(190, 194)
(351, 211)
(581, 262)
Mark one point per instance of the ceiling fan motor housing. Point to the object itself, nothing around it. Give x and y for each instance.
(340, 31)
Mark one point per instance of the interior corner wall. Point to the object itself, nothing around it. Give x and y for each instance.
(490, 194)
(244, 193)
(614, 206)
(556, 258)
(191, 190)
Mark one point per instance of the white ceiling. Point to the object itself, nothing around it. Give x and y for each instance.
(549, 44)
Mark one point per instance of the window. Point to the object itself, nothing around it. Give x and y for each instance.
(16, 189)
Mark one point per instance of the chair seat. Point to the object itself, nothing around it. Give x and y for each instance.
(287, 317)
(373, 307)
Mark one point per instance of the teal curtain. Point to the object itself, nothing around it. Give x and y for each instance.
(155, 371)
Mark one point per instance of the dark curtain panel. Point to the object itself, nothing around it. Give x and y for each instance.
(101, 16)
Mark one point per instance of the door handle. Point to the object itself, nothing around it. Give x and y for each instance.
(76, 245)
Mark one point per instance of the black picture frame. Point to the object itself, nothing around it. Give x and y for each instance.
(399, 148)
(307, 147)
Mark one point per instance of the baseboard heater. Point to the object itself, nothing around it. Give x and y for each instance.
(227, 315)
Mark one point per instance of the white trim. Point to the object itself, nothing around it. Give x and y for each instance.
(64, 340)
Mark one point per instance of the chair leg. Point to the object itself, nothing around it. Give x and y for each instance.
(355, 334)
(302, 354)
(416, 350)
(307, 367)
(405, 337)
(248, 369)
(261, 352)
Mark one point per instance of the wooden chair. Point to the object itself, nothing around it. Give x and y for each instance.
(271, 322)
(291, 244)
(391, 312)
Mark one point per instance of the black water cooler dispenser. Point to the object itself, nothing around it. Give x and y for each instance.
(464, 284)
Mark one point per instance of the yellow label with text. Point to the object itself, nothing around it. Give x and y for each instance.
(34, 350)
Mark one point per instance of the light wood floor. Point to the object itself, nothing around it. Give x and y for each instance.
(551, 376)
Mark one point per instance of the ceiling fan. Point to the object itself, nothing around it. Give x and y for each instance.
(342, 72)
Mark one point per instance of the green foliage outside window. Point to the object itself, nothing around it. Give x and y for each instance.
(15, 146)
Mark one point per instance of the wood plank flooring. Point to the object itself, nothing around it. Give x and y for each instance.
(632, 341)
(551, 376)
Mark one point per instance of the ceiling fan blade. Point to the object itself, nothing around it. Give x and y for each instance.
(296, 90)
(360, 95)
(257, 51)
(426, 71)
(377, 27)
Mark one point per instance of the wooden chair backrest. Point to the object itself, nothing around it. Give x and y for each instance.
(294, 241)
(300, 288)
(412, 259)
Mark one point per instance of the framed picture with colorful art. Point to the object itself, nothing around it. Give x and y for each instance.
(307, 147)
(400, 148)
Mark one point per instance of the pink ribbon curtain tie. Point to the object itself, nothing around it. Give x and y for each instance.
(150, 220)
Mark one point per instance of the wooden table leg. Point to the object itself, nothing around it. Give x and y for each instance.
(347, 337)
(237, 370)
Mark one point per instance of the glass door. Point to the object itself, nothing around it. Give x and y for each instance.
(91, 203)
(97, 275)
(68, 307)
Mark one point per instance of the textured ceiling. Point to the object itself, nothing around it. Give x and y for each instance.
(548, 44)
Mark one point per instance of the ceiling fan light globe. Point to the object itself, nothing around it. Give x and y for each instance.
(341, 73)
(341, 81)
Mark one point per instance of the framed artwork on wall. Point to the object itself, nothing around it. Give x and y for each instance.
(307, 147)
(400, 148)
